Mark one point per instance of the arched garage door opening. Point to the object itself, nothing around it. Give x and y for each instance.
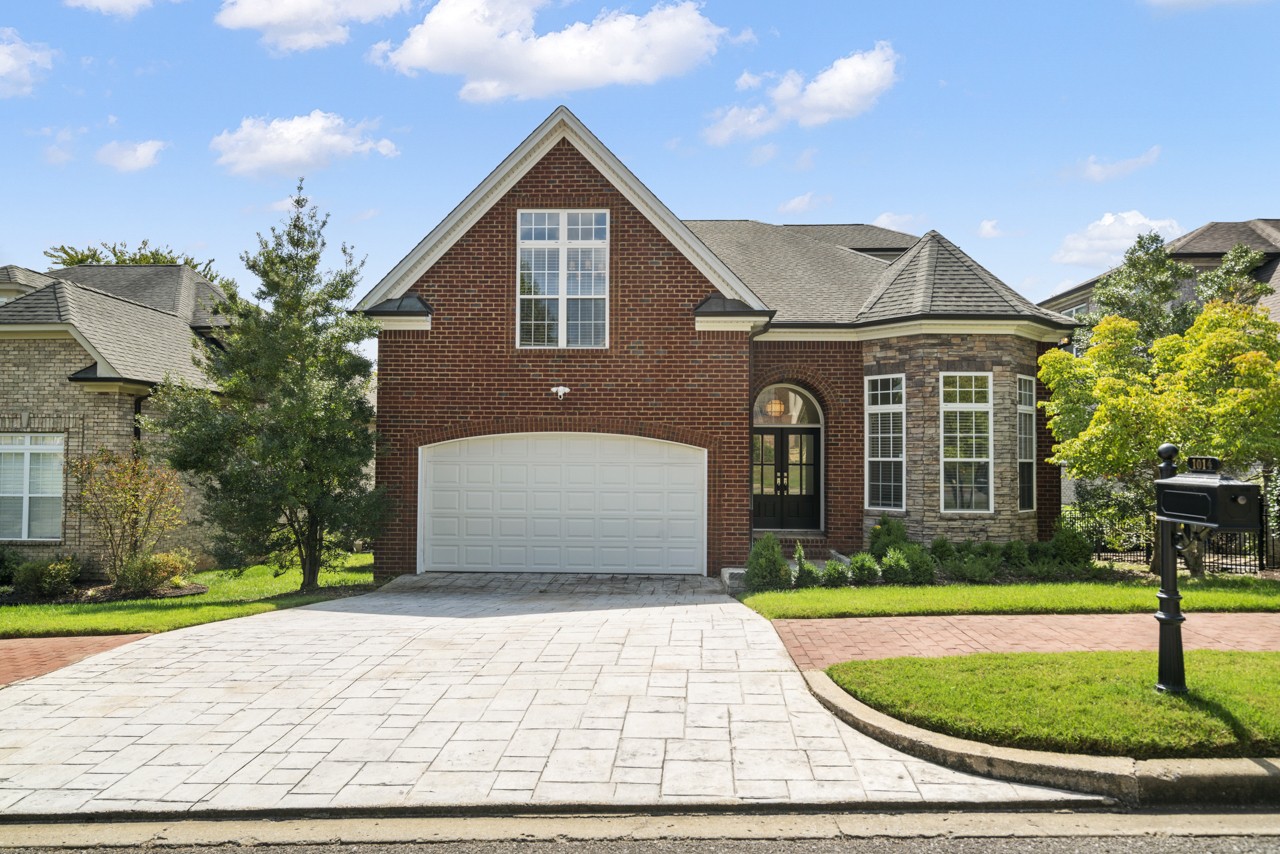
(562, 502)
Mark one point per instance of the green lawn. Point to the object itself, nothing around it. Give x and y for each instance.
(254, 591)
(1213, 593)
(1100, 703)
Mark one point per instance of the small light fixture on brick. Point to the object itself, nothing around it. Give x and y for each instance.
(775, 408)
(560, 391)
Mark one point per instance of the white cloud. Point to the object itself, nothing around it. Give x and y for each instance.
(122, 8)
(806, 202)
(762, 154)
(131, 156)
(989, 228)
(493, 45)
(295, 146)
(1102, 243)
(62, 149)
(746, 80)
(293, 25)
(281, 205)
(849, 86)
(897, 221)
(746, 36)
(21, 63)
(804, 162)
(1099, 171)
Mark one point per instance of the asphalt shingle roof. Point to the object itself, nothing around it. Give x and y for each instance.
(174, 288)
(1217, 238)
(22, 276)
(856, 236)
(139, 342)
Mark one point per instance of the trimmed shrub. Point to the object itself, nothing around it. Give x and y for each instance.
(887, 534)
(806, 573)
(942, 550)
(921, 568)
(1016, 553)
(894, 569)
(145, 574)
(1047, 569)
(1071, 547)
(47, 579)
(964, 548)
(990, 549)
(836, 574)
(766, 568)
(974, 569)
(10, 560)
(863, 569)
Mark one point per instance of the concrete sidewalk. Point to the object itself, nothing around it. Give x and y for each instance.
(818, 644)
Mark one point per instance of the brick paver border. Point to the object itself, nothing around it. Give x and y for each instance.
(23, 658)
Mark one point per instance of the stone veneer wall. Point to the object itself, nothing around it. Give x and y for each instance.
(922, 358)
(37, 397)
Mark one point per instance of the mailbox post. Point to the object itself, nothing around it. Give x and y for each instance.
(1201, 501)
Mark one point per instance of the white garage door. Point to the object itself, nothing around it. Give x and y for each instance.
(562, 502)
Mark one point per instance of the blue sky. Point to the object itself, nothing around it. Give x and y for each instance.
(1040, 137)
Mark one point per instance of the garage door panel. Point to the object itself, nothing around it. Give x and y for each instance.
(563, 502)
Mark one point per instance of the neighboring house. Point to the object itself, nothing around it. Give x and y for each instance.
(80, 351)
(1203, 250)
(572, 379)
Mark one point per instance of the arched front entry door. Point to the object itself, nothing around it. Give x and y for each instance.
(786, 460)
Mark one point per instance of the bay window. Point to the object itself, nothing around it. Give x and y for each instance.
(886, 444)
(966, 443)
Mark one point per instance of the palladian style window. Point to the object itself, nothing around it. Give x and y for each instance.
(1026, 443)
(966, 442)
(563, 279)
(886, 445)
(786, 450)
(31, 486)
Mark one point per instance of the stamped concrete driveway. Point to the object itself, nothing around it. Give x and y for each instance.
(455, 690)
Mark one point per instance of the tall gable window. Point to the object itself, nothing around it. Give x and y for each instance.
(886, 452)
(30, 486)
(966, 443)
(1026, 443)
(563, 279)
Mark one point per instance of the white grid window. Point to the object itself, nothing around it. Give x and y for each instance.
(966, 442)
(31, 486)
(563, 279)
(886, 443)
(1026, 443)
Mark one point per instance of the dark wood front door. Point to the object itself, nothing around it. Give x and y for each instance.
(786, 478)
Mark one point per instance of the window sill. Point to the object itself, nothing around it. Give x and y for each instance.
(4, 542)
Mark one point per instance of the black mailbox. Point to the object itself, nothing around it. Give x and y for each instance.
(1203, 496)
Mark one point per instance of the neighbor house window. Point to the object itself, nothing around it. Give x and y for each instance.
(966, 442)
(1026, 443)
(30, 486)
(563, 279)
(886, 455)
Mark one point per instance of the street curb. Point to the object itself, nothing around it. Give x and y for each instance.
(1149, 782)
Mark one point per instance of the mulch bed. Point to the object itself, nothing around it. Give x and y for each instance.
(102, 593)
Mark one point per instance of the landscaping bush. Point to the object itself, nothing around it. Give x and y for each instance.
(145, 574)
(1016, 553)
(887, 534)
(836, 574)
(806, 573)
(921, 567)
(1046, 569)
(942, 550)
(895, 569)
(863, 569)
(10, 560)
(1071, 547)
(47, 579)
(964, 548)
(766, 568)
(973, 569)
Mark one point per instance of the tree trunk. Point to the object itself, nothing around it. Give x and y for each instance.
(310, 556)
(1193, 554)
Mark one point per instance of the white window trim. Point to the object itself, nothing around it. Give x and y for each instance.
(562, 245)
(990, 458)
(866, 432)
(26, 495)
(1022, 410)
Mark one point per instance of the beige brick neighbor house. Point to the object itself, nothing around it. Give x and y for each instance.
(80, 351)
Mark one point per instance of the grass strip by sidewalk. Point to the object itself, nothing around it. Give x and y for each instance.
(1099, 703)
(254, 591)
(1213, 593)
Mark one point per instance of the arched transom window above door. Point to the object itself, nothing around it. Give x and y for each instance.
(785, 406)
(786, 453)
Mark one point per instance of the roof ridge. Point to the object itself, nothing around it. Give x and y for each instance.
(890, 275)
(126, 299)
(926, 275)
(991, 279)
(1267, 231)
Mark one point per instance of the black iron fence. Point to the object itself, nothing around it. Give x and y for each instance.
(1132, 539)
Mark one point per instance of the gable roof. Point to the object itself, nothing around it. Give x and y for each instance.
(128, 341)
(560, 125)
(13, 274)
(175, 288)
(1218, 238)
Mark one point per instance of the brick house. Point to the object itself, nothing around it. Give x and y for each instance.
(572, 379)
(80, 351)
